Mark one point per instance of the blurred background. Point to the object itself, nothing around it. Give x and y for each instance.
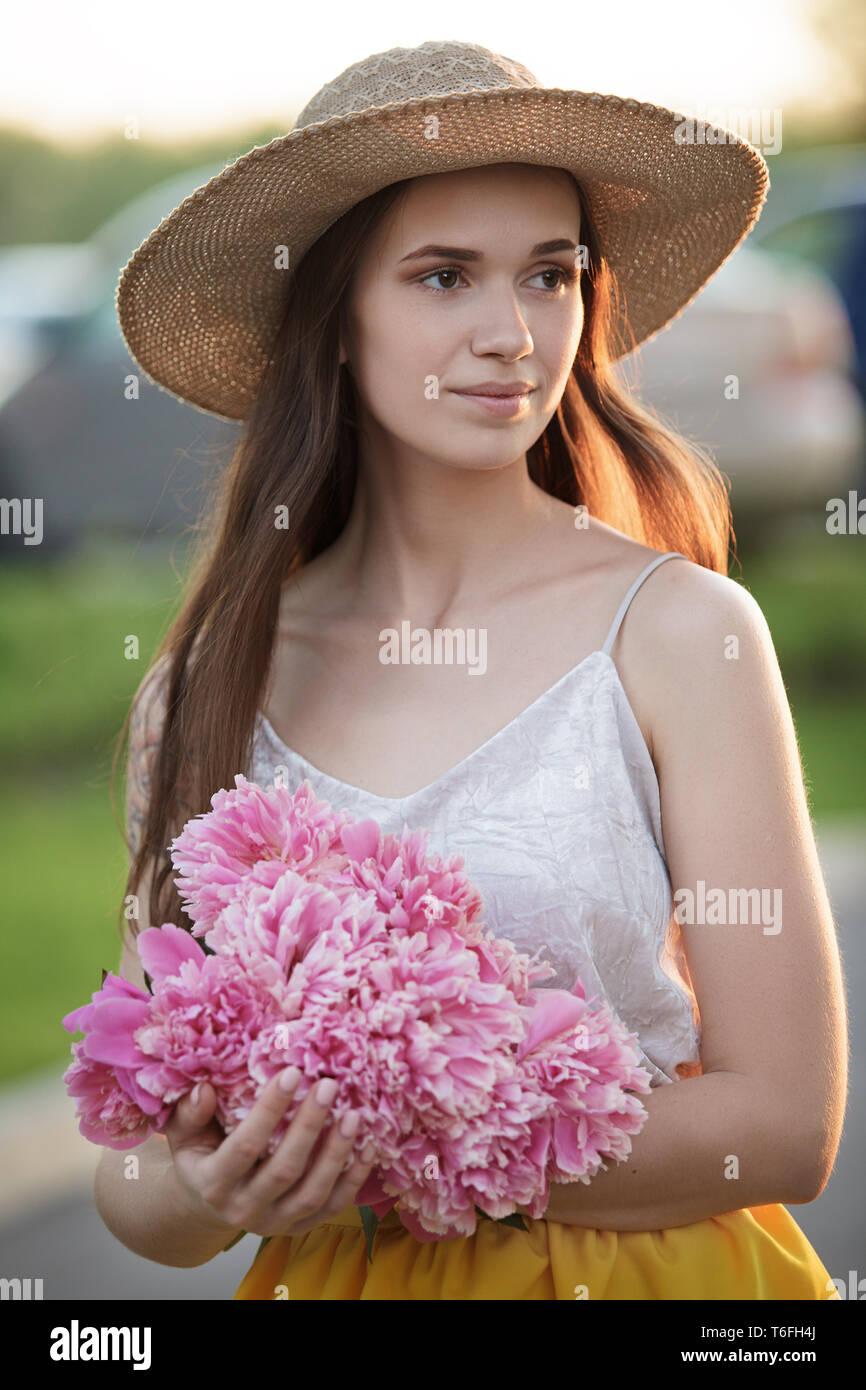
(116, 124)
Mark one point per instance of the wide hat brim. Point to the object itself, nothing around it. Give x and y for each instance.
(201, 299)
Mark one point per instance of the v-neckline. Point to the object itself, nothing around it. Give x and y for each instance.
(458, 767)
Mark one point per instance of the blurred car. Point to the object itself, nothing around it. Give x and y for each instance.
(818, 216)
(797, 288)
(69, 436)
(43, 289)
(760, 370)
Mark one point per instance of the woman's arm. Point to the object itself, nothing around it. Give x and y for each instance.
(681, 1166)
(147, 1214)
(774, 1050)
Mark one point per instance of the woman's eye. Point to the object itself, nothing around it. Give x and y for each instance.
(565, 277)
(435, 274)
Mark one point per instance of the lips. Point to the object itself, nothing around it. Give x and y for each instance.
(489, 399)
(491, 388)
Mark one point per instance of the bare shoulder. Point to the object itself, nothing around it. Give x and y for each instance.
(688, 612)
(679, 604)
(701, 666)
(688, 637)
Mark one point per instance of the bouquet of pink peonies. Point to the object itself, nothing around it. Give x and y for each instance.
(358, 955)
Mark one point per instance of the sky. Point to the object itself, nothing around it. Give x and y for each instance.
(180, 68)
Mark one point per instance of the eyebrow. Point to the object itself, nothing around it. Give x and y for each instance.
(458, 253)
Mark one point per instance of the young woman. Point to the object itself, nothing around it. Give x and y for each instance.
(435, 441)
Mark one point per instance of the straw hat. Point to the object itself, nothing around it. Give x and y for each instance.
(201, 299)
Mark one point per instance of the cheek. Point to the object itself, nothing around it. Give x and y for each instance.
(400, 351)
(558, 347)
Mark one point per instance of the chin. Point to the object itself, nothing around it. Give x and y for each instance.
(485, 465)
(498, 452)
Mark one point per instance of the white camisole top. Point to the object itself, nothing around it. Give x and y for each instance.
(558, 819)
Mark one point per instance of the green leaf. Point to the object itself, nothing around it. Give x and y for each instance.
(515, 1219)
(370, 1222)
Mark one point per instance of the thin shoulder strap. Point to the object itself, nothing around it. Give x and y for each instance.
(623, 607)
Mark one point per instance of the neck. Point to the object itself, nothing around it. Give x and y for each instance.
(425, 538)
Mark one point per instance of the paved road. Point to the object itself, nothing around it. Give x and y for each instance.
(49, 1228)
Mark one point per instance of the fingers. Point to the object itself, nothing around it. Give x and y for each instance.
(187, 1119)
(283, 1214)
(295, 1155)
(241, 1150)
(313, 1172)
(349, 1185)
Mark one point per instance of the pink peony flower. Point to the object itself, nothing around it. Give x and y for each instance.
(584, 1062)
(202, 1023)
(363, 957)
(113, 1108)
(248, 829)
(278, 921)
(415, 888)
(106, 1114)
(109, 1024)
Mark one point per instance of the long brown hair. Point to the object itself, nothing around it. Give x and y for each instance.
(296, 457)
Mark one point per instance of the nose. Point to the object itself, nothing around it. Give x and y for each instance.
(501, 327)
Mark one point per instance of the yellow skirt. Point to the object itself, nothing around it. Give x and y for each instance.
(753, 1253)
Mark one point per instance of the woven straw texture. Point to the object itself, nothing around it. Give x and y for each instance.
(200, 300)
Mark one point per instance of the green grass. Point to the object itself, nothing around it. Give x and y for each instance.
(66, 679)
(62, 868)
(832, 738)
(812, 590)
(66, 686)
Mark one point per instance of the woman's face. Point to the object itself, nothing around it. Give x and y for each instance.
(427, 324)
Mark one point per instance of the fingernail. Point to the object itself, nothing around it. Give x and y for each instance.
(368, 1152)
(289, 1079)
(326, 1090)
(349, 1123)
(195, 1093)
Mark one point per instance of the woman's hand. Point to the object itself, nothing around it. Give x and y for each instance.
(227, 1180)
